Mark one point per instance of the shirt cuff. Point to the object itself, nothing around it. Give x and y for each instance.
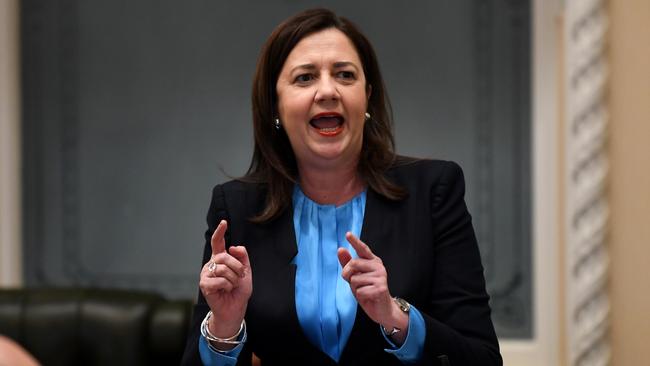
(210, 356)
(413, 346)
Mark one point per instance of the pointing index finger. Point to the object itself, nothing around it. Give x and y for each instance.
(363, 250)
(218, 242)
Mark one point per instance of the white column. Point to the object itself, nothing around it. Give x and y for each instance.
(585, 177)
(544, 348)
(10, 146)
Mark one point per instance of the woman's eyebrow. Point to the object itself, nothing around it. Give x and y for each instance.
(340, 64)
(304, 67)
(337, 65)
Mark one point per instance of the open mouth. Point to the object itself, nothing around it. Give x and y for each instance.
(327, 124)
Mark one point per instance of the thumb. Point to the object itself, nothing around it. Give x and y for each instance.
(344, 256)
(241, 254)
(363, 251)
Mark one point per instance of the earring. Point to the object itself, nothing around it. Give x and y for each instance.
(277, 124)
(367, 116)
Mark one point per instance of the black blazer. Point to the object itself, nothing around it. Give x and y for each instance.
(426, 243)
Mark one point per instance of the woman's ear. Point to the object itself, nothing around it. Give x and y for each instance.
(368, 91)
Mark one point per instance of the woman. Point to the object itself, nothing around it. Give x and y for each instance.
(332, 250)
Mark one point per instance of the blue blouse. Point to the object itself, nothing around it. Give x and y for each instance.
(325, 305)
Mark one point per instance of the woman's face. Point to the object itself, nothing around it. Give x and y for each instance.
(322, 100)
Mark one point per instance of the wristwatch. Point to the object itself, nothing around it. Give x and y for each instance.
(405, 307)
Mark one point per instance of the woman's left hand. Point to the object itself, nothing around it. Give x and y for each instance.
(368, 281)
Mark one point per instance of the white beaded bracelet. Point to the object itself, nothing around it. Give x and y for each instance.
(205, 332)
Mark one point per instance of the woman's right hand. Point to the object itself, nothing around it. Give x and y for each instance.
(226, 283)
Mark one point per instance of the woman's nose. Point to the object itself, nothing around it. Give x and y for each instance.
(327, 90)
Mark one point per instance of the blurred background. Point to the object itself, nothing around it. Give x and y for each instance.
(118, 117)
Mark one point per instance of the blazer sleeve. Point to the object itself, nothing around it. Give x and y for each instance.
(217, 212)
(457, 317)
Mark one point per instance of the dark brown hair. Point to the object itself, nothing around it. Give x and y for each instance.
(274, 162)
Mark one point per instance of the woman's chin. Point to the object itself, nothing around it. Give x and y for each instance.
(330, 154)
(328, 151)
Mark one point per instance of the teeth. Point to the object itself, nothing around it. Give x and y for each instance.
(329, 129)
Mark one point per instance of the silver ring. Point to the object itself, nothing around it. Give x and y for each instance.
(212, 266)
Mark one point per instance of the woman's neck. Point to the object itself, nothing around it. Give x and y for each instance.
(331, 186)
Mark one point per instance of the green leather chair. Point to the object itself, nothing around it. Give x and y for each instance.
(79, 326)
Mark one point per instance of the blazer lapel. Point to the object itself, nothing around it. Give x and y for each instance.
(286, 248)
(375, 228)
(365, 333)
(285, 238)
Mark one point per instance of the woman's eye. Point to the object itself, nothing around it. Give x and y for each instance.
(348, 75)
(304, 78)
